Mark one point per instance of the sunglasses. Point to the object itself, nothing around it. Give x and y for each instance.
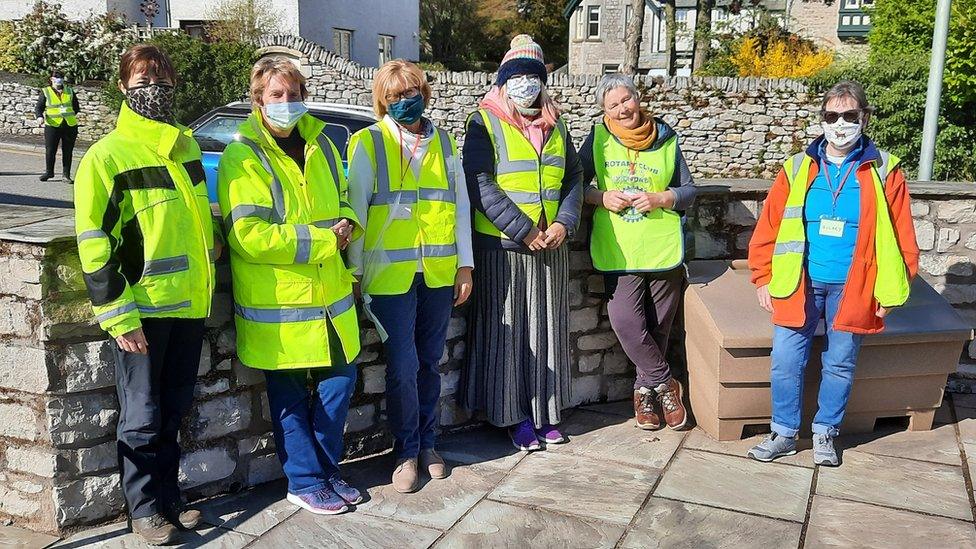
(831, 117)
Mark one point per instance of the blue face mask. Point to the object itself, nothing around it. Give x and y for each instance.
(407, 110)
(284, 116)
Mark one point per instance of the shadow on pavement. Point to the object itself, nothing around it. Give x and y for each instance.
(21, 200)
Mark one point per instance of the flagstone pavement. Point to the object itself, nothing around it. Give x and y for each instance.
(615, 486)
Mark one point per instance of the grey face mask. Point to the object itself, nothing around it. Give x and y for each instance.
(152, 101)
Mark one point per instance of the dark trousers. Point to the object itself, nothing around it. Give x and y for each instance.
(66, 135)
(155, 391)
(308, 426)
(641, 309)
(416, 327)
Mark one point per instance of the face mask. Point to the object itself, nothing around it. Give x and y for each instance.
(57, 82)
(842, 133)
(407, 110)
(152, 101)
(284, 116)
(523, 90)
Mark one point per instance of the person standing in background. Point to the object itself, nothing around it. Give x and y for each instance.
(57, 109)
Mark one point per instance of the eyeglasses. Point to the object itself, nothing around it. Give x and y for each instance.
(405, 94)
(831, 117)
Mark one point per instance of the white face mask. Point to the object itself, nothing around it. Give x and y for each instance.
(842, 133)
(523, 90)
(284, 116)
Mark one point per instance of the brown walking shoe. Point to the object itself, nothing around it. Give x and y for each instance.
(405, 477)
(669, 395)
(187, 519)
(434, 463)
(155, 529)
(645, 411)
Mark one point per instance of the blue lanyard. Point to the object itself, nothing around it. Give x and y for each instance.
(830, 184)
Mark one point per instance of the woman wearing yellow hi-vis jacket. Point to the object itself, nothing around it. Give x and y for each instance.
(146, 244)
(282, 195)
(406, 181)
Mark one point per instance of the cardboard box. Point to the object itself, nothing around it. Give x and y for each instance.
(900, 372)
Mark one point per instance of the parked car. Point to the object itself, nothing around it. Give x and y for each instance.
(214, 130)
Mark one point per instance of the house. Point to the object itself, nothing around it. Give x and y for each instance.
(369, 32)
(597, 28)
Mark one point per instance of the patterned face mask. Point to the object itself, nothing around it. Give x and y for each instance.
(152, 101)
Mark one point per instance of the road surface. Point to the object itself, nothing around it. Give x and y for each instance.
(19, 171)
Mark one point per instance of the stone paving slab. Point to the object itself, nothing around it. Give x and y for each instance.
(485, 447)
(938, 445)
(668, 523)
(623, 408)
(838, 523)
(894, 482)
(738, 484)
(577, 486)
(12, 536)
(350, 530)
(253, 512)
(117, 536)
(601, 436)
(493, 524)
(699, 440)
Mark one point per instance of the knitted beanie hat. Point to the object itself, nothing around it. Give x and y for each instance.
(524, 57)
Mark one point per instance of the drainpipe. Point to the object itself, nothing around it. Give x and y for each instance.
(934, 94)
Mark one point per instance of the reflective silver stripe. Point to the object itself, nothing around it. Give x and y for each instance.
(438, 195)
(793, 246)
(304, 249)
(277, 192)
(166, 265)
(506, 166)
(95, 233)
(519, 197)
(439, 250)
(212, 254)
(116, 312)
(883, 166)
(342, 306)
(403, 254)
(793, 212)
(515, 166)
(551, 194)
(382, 194)
(163, 308)
(406, 197)
(447, 152)
(326, 147)
(797, 162)
(553, 160)
(247, 210)
(296, 314)
(325, 223)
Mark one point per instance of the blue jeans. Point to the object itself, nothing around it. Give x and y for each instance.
(308, 428)
(791, 351)
(416, 327)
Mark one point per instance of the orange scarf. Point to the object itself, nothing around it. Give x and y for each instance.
(638, 139)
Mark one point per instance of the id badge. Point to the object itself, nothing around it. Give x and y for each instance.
(403, 211)
(831, 226)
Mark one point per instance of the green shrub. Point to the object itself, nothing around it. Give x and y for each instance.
(209, 74)
(10, 47)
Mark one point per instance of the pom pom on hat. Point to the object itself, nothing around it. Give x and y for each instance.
(524, 57)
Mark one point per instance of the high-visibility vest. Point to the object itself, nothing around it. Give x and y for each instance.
(630, 241)
(144, 224)
(891, 287)
(289, 277)
(59, 108)
(532, 181)
(410, 218)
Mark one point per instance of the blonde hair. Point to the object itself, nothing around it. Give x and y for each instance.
(266, 67)
(395, 77)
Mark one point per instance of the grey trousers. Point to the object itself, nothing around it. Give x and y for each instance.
(642, 308)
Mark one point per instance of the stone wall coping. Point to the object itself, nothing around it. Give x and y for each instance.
(45, 225)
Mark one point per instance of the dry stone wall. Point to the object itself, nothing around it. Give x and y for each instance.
(17, 99)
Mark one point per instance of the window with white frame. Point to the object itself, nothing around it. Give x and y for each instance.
(385, 48)
(681, 18)
(592, 22)
(610, 68)
(342, 42)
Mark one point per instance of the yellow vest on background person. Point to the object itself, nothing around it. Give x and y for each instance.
(59, 108)
(145, 232)
(891, 287)
(410, 219)
(531, 181)
(630, 241)
(289, 277)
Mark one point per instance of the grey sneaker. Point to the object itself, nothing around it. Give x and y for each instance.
(772, 447)
(823, 450)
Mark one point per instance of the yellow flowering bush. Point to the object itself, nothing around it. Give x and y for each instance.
(782, 57)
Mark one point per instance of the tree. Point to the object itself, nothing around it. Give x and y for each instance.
(243, 21)
(703, 34)
(452, 33)
(634, 35)
(671, 24)
(541, 19)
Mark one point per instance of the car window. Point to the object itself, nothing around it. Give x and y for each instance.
(217, 132)
(339, 129)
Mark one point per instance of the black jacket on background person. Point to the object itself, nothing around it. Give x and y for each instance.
(41, 105)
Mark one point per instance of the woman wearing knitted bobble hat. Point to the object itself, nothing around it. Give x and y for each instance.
(525, 185)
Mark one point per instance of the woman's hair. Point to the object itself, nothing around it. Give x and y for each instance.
(273, 65)
(146, 56)
(612, 81)
(851, 89)
(395, 77)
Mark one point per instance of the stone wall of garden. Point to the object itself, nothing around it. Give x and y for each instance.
(18, 96)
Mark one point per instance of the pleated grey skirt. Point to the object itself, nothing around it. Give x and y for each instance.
(518, 350)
